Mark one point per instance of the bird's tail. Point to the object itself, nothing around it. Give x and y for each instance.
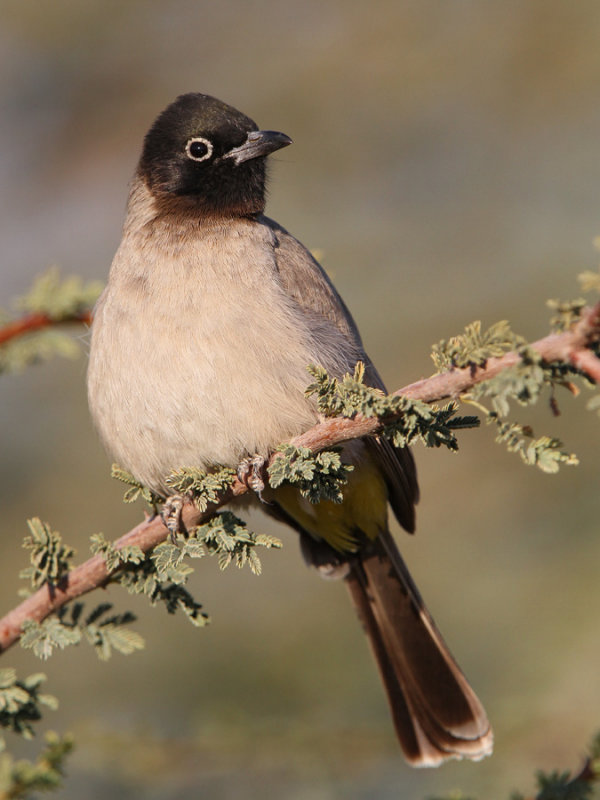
(436, 714)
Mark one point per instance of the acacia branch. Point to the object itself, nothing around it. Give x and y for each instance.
(37, 320)
(571, 347)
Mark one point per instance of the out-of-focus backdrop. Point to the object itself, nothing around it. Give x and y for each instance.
(446, 161)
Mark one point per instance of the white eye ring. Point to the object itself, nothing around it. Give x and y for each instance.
(201, 140)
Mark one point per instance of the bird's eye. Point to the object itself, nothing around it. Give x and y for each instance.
(199, 149)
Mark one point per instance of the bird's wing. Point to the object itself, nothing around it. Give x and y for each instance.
(304, 280)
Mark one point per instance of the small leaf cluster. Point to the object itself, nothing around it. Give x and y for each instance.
(566, 313)
(136, 489)
(38, 346)
(143, 579)
(18, 779)
(590, 281)
(317, 477)
(153, 575)
(20, 702)
(169, 559)
(163, 573)
(200, 486)
(474, 346)
(524, 384)
(405, 420)
(229, 539)
(68, 626)
(60, 300)
(50, 558)
(113, 556)
(546, 452)
(432, 426)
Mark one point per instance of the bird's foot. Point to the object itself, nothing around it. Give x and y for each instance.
(251, 472)
(171, 515)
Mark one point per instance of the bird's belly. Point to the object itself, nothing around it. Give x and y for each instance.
(169, 390)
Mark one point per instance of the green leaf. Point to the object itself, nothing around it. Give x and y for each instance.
(317, 477)
(50, 557)
(143, 579)
(137, 489)
(545, 452)
(474, 346)
(37, 346)
(18, 779)
(566, 314)
(110, 636)
(590, 281)
(130, 554)
(227, 537)
(20, 701)
(60, 298)
(200, 486)
(168, 560)
(405, 420)
(43, 637)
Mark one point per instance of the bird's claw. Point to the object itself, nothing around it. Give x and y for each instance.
(171, 515)
(251, 472)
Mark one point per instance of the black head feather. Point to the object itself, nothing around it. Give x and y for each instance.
(206, 154)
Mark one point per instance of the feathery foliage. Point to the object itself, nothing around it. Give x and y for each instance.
(405, 421)
(228, 538)
(18, 779)
(201, 487)
(131, 554)
(50, 558)
(136, 489)
(566, 313)
(59, 300)
(162, 574)
(20, 702)
(474, 346)
(317, 477)
(524, 383)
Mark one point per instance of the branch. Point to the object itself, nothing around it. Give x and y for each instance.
(571, 347)
(36, 321)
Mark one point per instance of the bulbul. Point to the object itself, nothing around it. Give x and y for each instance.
(199, 353)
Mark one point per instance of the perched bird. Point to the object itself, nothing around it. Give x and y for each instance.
(199, 353)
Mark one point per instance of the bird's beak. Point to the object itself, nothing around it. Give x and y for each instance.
(258, 143)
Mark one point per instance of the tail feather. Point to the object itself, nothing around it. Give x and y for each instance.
(436, 714)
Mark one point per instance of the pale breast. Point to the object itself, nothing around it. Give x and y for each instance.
(198, 356)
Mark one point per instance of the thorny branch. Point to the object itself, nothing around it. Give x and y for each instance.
(570, 346)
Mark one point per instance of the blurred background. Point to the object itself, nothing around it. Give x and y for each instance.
(446, 163)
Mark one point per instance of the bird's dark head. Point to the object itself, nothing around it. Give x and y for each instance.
(204, 154)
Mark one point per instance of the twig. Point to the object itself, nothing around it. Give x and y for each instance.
(570, 347)
(36, 321)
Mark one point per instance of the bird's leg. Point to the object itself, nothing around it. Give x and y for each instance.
(171, 515)
(251, 472)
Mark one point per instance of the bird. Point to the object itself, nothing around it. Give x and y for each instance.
(199, 351)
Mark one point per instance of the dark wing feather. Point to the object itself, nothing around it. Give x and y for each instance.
(305, 281)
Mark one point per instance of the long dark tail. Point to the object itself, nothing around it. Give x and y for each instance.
(436, 714)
